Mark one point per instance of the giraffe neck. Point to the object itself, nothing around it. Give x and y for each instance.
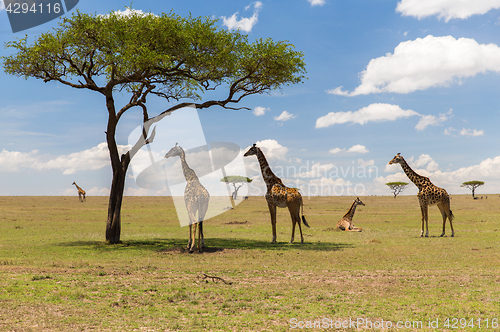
(269, 177)
(351, 211)
(189, 174)
(417, 179)
(78, 187)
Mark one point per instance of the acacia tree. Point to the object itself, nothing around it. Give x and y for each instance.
(145, 55)
(237, 181)
(397, 187)
(472, 185)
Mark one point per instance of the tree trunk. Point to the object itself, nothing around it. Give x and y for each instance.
(113, 223)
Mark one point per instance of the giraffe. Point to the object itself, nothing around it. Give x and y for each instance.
(346, 223)
(81, 193)
(278, 195)
(196, 198)
(428, 194)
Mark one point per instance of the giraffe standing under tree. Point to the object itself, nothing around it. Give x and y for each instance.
(278, 195)
(428, 194)
(81, 193)
(346, 223)
(196, 198)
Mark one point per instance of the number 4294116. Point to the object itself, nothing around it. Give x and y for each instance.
(18, 8)
(455, 323)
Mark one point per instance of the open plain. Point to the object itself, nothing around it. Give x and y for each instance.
(58, 274)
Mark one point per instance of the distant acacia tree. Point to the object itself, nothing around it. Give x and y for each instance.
(145, 56)
(396, 187)
(472, 185)
(237, 181)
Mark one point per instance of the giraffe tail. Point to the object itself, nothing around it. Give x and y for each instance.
(451, 216)
(305, 222)
(304, 218)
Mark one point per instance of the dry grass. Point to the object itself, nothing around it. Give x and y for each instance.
(57, 274)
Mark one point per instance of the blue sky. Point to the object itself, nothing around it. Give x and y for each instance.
(416, 77)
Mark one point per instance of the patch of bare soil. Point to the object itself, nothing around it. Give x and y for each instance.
(236, 222)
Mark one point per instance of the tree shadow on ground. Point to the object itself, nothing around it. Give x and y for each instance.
(213, 245)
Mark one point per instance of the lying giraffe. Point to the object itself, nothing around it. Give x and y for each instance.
(196, 198)
(279, 195)
(81, 193)
(346, 223)
(428, 194)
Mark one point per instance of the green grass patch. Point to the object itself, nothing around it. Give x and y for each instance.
(58, 274)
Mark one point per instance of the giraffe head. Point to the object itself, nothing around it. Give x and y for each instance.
(176, 151)
(358, 202)
(397, 159)
(252, 151)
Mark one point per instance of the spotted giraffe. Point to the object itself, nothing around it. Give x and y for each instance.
(428, 194)
(196, 198)
(278, 195)
(346, 223)
(81, 193)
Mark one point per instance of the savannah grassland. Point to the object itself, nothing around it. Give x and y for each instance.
(58, 274)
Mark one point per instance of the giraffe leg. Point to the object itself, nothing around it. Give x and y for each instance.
(199, 238)
(201, 214)
(423, 218)
(443, 214)
(294, 214)
(193, 238)
(272, 211)
(426, 221)
(189, 241)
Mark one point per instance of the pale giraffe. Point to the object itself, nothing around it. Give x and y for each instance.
(346, 223)
(81, 193)
(428, 194)
(196, 198)
(279, 195)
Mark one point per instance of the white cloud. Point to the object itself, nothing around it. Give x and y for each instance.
(464, 132)
(128, 13)
(432, 120)
(245, 24)
(317, 170)
(358, 149)
(424, 63)
(353, 149)
(258, 111)
(284, 116)
(335, 150)
(446, 9)
(2, 6)
(374, 112)
(428, 162)
(317, 2)
(272, 149)
(471, 132)
(90, 159)
(338, 91)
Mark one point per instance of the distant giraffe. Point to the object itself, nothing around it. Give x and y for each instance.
(279, 195)
(81, 193)
(196, 198)
(428, 194)
(346, 223)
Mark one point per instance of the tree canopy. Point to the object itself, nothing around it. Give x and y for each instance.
(396, 187)
(168, 56)
(472, 185)
(237, 181)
